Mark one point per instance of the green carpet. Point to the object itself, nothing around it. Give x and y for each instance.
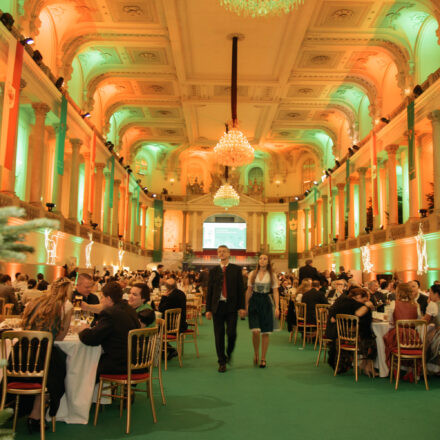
(290, 399)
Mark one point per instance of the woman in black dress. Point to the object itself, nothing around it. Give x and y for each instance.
(356, 303)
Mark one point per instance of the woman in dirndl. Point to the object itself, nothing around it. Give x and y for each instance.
(262, 303)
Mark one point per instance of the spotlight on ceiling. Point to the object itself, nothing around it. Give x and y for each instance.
(109, 145)
(350, 151)
(59, 83)
(86, 115)
(129, 171)
(329, 170)
(28, 40)
(385, 120)
(37, 57)
(355, 147)
(417, 90)
(327, 173)
(423, 212)
(121, 159)
(296, 198)
(154, 196)
(7, 20)
(50, 206)
(338, 164)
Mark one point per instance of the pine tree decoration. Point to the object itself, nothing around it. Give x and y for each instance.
(12, 237)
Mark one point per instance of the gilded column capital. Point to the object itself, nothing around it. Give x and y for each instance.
(354, 180)
(434, 116)
(391, 149)
(117, 183)
(40, 108)
(76, 142)
(362, 171)
(340, 186)
(100, 166)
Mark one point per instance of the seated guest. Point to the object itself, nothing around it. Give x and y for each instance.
(337, 290)
(20, 284)
(174, 298)
(356, 303)
(419, 296)
(343, 275)
(7, 292)
(138, 300)
(84, 286)
(50, 312)
(432, 316)
(405, 307)
(42, 283)
(378, 298)
(304, 287)
(114, 322)
(31, 292)
(311, 298)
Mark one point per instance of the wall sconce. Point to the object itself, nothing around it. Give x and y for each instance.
(423, 212)
(50, 206)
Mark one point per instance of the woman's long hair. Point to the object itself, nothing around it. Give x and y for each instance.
(268, 268)
(47, 312)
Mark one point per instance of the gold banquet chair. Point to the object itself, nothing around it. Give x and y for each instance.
(140, 355)
(321, 322)
(348, 338)
(284, 304)
(172, 333)
(30, 353)
(192, 330)
(301, 322)
(157, 363)
(411, 345)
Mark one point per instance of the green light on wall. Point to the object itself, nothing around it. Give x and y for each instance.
(21, 158)
(356, 210)
(276, 222)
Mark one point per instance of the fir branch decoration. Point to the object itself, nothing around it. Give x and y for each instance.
(12, 237)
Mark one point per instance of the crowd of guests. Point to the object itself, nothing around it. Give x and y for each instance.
(117, 303)
(347, 296)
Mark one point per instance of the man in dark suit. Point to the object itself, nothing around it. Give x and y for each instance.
(311, 298)
(225, 297)
(308, 271)
(84, 286)
(174, 298)
(378, 298)
(422, 299)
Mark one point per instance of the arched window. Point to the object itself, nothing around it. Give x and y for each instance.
(308, 174)
(255, 175)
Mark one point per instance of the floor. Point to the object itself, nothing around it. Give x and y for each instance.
(289, 399)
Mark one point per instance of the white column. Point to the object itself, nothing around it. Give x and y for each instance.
(392, 184)
(362, 199)
(435, 121)
(74, 174)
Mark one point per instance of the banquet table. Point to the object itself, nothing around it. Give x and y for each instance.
(81, 364)
(380, 329)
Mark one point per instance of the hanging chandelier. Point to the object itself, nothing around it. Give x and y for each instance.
(233, 149)
(260, 8)
(226, 196)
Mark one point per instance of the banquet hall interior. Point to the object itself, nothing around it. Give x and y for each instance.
(151, 132)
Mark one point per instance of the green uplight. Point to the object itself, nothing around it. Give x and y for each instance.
(277, 231)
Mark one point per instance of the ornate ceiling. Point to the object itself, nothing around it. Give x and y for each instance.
(158, 71)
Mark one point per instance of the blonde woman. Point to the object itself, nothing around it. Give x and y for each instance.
(51, 312)
(260, 306)
(304, 287)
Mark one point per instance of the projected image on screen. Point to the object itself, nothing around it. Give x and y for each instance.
(232, 235)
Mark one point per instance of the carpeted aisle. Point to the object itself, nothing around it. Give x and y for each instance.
(290, 399)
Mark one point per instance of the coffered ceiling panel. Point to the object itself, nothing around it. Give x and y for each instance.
(305, 90)
(150, 56)
(342, 14)
(132, 11)
(312, 59)
(155, 88)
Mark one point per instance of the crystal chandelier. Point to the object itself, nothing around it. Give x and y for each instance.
(226, 196)
(233, 149)
(260, 8)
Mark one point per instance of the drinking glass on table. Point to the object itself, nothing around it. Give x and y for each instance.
(90, 317)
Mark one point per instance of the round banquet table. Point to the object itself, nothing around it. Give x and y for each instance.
(81, 365)
(380, 329)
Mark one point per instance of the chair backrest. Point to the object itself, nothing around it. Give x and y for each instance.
(301, 312)
(321, 316)
(2, 305)
(141, 348)
(7, 308)
(160, 323)
(30, 354)
(172, 321)
(284, 305)
(348, 329)
(411, 334)
(192, 313)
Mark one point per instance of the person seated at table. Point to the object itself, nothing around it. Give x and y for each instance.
(305, 286)
(110, 331)
(311, 298)
(84, 287)
(419, 296)
(138, 300)
(432, 316)
(7, 292)
(378, 298)
(31, 292)
(49, 312)
(336, 291)
(355, 303)
(405, 307)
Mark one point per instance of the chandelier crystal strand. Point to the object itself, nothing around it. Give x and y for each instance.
(226, 196)
(260, 8)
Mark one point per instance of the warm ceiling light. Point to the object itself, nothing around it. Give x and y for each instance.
(260, 8)
(226, 196)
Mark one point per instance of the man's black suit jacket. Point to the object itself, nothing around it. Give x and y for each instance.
(175, 300)
(423, 303)
(234, 286)
(308, 272)
(311, 298)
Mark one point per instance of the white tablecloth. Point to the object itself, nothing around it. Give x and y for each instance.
(380, 329)
(81, 364)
